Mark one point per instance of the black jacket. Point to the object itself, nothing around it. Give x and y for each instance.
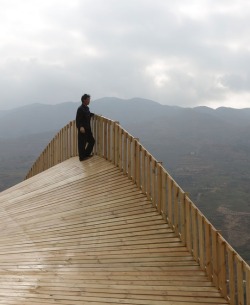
(83, 117)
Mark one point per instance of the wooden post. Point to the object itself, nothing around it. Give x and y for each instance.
(74, 139)
(215, 257)
(138, 165)
(159, 188)
(105, 141)
(183, 218)
(194, 232)
(201, 240)
(153, 178)
(116, 144)
(129, 157)
(113, 141)
(247, 271)
(148, 159)
(222, 266)
(208, 262)
(188, 224)
(143, 171)
(231, 273)
(170, 198)
(120, 152)
(163, 193)
(99, 137)
(240, 291)
(176, 208)
(133, 159)
(125, 152)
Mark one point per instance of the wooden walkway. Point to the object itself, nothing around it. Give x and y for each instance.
(82, 233)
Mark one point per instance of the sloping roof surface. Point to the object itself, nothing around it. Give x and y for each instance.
(82, 233)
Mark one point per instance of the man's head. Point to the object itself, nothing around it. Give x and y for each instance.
(85, 99)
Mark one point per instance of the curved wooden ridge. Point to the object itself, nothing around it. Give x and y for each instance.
(83, 233)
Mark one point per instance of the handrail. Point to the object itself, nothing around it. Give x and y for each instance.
(222, 264)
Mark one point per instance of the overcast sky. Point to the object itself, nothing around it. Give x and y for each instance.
(183, 52)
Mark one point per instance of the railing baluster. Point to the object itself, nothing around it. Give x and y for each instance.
(148, 159)
(109, 124)
(120, 153)
(240, 290)
(143, 171)
(183, 234)
(125, 152)
(158, 187)
(170, 194)
(222, 266)
(133, 159)
(138, 164)
(231, 273)
(194, 232)
(201, 240)
(163, 194)
(153, 184)
(247, 270)
(176, 208)
(215, 257)
(188, 224)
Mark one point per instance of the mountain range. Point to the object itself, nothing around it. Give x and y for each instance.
(207, 151)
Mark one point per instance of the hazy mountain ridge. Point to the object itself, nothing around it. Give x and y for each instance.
(207, 151)
(17, 155)
(36, 118)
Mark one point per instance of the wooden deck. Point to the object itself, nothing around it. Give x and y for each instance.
(82, 233)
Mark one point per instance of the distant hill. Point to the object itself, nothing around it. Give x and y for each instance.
(207, 151)
(17, 155)
(35, 118)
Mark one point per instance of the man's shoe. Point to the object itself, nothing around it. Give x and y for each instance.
(90, 155)
(87, 157)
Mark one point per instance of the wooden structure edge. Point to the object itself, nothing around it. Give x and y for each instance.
(222, 264)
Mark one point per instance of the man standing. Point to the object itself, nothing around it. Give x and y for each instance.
(86, 140)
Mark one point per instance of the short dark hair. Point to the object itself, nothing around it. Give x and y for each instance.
(84, 97)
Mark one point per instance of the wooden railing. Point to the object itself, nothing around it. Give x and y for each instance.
(223, 266)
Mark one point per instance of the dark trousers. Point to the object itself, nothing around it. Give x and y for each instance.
(86, 143)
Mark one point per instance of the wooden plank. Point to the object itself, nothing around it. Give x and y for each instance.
(82, 233)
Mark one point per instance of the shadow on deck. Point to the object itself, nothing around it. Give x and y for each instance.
(83, 233)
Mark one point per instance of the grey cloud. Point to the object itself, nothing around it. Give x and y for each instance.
(109, 49)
